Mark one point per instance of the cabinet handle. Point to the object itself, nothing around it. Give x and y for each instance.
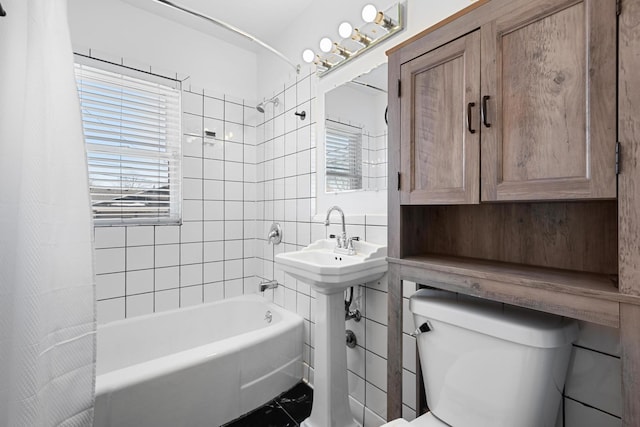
(469, 107)
(484, 111)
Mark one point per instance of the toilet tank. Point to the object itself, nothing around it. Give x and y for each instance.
(491, 364)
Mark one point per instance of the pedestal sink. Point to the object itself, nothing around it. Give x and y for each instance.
(329, 274)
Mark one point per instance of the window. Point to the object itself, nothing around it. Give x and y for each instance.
(343, 156)
(133, 140)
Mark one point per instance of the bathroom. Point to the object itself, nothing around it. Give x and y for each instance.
(268, 167)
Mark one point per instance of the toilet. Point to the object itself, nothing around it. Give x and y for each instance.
(487, 364)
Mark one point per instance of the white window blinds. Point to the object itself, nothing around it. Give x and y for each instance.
(133, 140)
(343, 156)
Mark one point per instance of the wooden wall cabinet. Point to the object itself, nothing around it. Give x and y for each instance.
(440, 145)
(521, 108)
(505, 134)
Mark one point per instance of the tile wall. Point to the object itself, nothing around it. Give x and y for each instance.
(146, 269)
(592, 392)
(286, 188)
(374, 161)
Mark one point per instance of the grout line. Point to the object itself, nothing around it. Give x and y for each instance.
(202, 192)
(592, 407)
(596, 351)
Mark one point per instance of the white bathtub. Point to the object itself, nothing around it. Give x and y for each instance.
(198, 366)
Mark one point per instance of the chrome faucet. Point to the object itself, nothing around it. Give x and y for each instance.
(269, 284)
(342, 240)
(344, 245)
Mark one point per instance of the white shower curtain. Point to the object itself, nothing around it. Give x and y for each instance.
(47, 308)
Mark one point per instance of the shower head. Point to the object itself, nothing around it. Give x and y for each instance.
(260, 107)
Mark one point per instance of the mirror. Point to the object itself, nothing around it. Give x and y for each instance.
(356, 134)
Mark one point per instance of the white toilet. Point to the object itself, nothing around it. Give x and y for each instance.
(485, 364)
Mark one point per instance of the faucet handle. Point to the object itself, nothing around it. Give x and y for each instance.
(349, 244)
(275, 234)
(339, 242)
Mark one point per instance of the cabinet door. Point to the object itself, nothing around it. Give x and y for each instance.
(549, 72)
(439, 134)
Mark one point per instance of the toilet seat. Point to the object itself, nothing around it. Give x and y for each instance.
(426, 420)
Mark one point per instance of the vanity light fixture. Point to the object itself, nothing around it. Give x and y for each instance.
(345, 30)
(308, 56)
(361, 38)
(369, 13)
(378, 26)
(323, 63)
(326, 45)
(342, 51)
(384, 21)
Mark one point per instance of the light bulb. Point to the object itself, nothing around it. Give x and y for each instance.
(308, 56)
(345, 29)
(326, 45)
(369, 13)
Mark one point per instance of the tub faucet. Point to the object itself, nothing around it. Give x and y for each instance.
(270, 284)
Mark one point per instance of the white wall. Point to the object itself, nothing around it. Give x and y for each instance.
(115, 30)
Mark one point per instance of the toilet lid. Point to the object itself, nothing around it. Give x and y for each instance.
(426, 420)
(399, 422)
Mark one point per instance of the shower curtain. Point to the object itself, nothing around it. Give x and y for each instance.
(47, 308)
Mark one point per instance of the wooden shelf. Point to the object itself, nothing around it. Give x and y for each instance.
(587, 296)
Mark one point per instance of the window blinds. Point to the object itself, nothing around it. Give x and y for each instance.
(133, 140)
(343, 156)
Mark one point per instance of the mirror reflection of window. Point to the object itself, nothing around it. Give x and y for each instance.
(343, 151)
(357, 107)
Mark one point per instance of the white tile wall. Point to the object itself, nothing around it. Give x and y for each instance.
(142, 269)
(286, 179)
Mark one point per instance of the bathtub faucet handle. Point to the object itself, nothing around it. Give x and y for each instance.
(275, 234)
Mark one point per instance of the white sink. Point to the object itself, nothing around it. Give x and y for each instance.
(329, 274)
(326, 271)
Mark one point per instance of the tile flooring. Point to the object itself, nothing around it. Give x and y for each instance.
(287, 410)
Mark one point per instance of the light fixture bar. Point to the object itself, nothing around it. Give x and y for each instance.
(230, 28)
(387, 23)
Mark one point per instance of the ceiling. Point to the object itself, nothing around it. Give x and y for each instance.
(263, 19)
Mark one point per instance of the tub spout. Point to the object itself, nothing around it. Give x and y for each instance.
(270, 284)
